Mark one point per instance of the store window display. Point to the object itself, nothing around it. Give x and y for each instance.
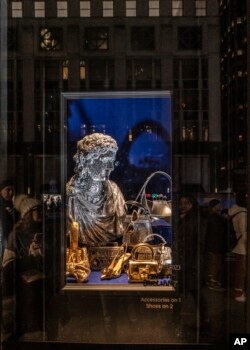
(100, 222)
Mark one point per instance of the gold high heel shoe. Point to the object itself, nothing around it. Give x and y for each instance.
(107, 271)
(115, 268)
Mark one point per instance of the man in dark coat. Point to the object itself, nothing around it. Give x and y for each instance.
(216, 246)
(188, 251)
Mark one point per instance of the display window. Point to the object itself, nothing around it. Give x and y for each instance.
(118, 190)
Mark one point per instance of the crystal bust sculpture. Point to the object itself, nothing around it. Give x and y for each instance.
(94, 201)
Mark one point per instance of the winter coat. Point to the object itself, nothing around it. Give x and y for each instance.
(240, 227)
(8, 217)
(216, 235)
(189, 249)
(23, 275)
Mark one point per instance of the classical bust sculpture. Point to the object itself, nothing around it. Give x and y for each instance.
(94, 201)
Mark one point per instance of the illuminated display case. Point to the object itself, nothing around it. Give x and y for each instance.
(140, 123)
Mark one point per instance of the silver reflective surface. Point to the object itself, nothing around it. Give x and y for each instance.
(94, 201)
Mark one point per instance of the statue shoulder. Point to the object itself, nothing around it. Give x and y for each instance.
(115, 189)
(113, 185)
(71, 189)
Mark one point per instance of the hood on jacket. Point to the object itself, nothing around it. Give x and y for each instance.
(236, 209)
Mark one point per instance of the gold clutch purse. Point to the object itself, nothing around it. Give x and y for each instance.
(142, 266)
(101, 256)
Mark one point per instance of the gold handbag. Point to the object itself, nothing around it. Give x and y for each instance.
(142, 266)
(77, 261)
(138, 225)
(101, 256)
(162, 253)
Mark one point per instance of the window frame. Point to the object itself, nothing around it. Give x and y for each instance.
(85, 8)
(16, 9)
(39, 9)
(130, 8)
(154, 8)
(177, 8)
(108, 8)
(97, 37)
(62, 9)
(200, 8)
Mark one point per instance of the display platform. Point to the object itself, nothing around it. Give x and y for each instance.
(121, 283)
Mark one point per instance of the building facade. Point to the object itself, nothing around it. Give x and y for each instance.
(233, 16)
(56, 46)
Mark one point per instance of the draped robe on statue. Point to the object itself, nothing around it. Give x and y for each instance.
(99, 222)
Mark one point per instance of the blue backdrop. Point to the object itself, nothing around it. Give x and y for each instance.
(142, 127)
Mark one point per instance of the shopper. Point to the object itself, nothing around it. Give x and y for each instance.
(216, 246)
(8, 214)
(238, 213)
(189, 249)
(23, 266)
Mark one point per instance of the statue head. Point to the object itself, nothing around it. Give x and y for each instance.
(95, 156)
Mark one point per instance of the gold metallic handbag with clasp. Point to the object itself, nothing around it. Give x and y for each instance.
(142, 266)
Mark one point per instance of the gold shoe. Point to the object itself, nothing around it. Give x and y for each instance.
(115, 268)
(118, 267)
(107, 271)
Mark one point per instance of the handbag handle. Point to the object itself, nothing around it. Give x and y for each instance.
(154, 235)
(142, 193)
(138, 205)
(142, 249)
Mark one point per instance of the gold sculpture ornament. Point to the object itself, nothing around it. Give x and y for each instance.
(77, 262)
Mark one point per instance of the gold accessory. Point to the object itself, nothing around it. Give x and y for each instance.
(142, 266)
(138, 224)
(116, 267)
(101, 255)
(77, 262)
(162, 253)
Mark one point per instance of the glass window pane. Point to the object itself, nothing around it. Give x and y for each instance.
(177, 4)
(142, 38)
(17, 11)
(130, 12)
(17, 5)
(154, 10)
(84, 8)
(177, 12)
(107, 5)
(96, 38)
(190, 131)
(190, 38)
(130, 8)
(62, 9)
(50, 39)
(190, 100)
(200, 12)
(190, 69)
(153, 4)
(107, 8)
(200, 4)
(39, 7)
